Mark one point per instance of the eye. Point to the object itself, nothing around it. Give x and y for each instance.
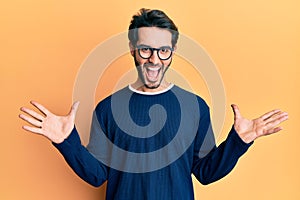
(164, 50)
(145, 49)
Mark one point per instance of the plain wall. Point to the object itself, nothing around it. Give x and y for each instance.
(254, 44)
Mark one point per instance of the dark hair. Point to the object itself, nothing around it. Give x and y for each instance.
(151, 18)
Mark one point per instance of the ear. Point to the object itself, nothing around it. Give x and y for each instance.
(174, 48)
(131, 47)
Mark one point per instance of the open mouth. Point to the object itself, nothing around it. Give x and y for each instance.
(152, 73)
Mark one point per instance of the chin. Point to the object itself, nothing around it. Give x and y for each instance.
(151, 86)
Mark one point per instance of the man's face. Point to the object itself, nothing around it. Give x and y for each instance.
(151, 70)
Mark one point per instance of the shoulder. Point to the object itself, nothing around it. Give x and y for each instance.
(191, 96)
(105, 104)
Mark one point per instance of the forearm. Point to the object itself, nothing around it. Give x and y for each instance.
(221, 160)
(83, 163)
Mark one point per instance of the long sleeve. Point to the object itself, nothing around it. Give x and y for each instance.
(211, 163)
(83, 163)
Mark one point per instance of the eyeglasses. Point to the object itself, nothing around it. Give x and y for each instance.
(164, 53)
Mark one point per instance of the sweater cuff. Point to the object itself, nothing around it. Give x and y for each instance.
(71, 141)
(238, 141)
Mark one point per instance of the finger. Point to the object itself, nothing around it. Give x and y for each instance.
(276, 116)
(273, 130)
(32, 129)
(31, 120)
(74, 109)
(32, 113)
(40, 107)
(269, 114)
(276, 122)
(236, 111)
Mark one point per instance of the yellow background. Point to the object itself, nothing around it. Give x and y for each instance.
(255, 44)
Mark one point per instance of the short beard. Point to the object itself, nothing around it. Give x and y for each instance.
(140, 74)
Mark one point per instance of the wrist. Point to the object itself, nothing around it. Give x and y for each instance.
(247, 137)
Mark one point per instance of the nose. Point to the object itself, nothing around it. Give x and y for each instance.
(154, 57)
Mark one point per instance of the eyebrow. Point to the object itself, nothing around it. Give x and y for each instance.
(144, 45)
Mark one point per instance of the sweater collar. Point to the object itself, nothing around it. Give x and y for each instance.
(151, 93)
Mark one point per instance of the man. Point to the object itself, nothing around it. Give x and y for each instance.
(142, 119)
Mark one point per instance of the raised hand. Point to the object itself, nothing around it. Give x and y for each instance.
(266, 124)
(56, 128)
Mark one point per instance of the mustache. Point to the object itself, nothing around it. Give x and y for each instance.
(152, 65)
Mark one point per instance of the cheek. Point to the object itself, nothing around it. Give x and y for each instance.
(167, 63)
(138, 60)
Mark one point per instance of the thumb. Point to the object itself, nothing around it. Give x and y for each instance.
(74, 109)
(236, 111)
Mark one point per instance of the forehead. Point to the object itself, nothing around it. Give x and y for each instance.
(154, 37)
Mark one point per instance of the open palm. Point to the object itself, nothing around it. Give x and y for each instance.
(56, 128)
(266, 124)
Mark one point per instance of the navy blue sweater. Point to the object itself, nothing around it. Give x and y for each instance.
(148, 146)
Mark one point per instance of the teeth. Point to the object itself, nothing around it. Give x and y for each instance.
(153, 69)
